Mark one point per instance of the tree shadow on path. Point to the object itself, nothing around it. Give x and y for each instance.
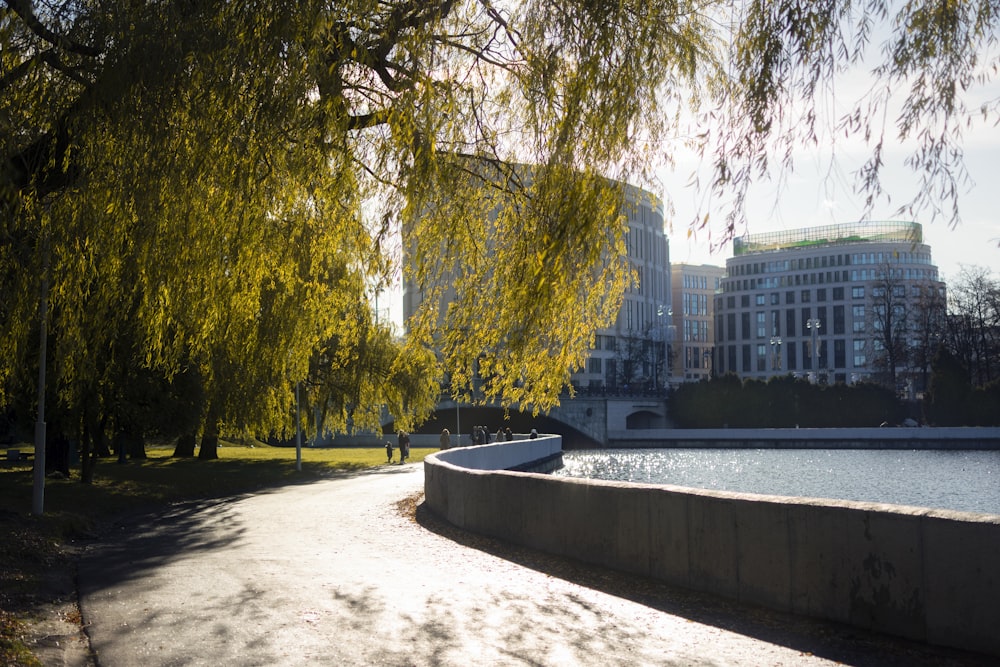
(832, 641)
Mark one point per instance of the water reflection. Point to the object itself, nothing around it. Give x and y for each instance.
(957, 480)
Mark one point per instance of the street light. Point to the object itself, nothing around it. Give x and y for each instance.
(659, 331)
(813, 324)
(776, 353)
(298, 429)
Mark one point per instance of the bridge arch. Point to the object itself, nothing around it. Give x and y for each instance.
(466, 416)
(583, 421)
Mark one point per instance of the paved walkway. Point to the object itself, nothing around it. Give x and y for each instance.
(332, 573)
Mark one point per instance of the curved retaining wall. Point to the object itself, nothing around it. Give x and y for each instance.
(928, 575)
(902, 437)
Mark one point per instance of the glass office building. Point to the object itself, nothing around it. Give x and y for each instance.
(817, 302)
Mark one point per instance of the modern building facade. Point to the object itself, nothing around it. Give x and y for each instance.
(693, 295)
(634, 354)
(837, 303)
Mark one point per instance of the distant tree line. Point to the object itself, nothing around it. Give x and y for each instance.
(789, 402)
(972, 328)
(782, 402)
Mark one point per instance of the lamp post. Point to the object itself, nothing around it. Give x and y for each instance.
(298, 429)
(775, 353)
(813, 324)
(659, 333)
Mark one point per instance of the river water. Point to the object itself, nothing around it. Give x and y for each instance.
(968, 481)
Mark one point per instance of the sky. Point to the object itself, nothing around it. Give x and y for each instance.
(816, 194)
(810, 199)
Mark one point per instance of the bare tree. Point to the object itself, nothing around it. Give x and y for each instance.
(974, 323)
(929, 322)
(890, 323)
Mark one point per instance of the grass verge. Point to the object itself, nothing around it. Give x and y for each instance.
(31, 547)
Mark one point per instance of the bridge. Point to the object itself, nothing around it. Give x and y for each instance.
(582, 421)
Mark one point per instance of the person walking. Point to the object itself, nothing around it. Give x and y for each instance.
(388, 451)
(404, 446)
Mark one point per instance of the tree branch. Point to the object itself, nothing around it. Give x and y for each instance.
(24, 9)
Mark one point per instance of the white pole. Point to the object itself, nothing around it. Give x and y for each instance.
(298, 431)
(38, 489)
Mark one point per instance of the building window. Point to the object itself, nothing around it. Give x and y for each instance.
(761, 324)
(760, 299)
(745, 326)
(775, 323)
(839, 353)
(860, 360)
(731, 327)
(838, 319)
(805, 296)
(761, 357)
(775, 298)
(594, 366)
(858, 292)
(746, 359)
(790, 321)
(789, 297)
(821, 294)
(838, 293)
(792, 361)
(858, 317)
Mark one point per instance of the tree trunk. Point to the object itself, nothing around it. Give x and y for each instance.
(131, 443)
(87, 461)
(100, 441)
(185, 446)
(136, 447)
(118, 447)
(57, 453)
(209, 449)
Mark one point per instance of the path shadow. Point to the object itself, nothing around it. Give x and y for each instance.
(829, 640)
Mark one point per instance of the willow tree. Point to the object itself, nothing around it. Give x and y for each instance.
(228, 177)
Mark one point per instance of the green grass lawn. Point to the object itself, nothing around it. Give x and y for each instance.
(29, 545)
(160, 478)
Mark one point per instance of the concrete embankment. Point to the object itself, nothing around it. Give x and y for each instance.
(922, 574)
(811, 438)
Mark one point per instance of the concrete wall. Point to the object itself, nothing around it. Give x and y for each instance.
(812, 438)
(927, 575)
(416, 440)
